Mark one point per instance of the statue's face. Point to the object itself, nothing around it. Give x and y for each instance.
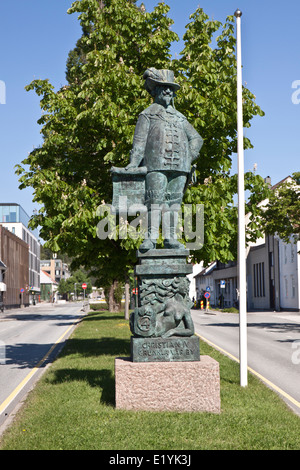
(164, 94)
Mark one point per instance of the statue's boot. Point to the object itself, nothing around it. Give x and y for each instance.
(171, 221)
(154, 218)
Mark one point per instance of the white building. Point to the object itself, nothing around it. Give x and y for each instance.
(289, 265)
(196, 269)
(56, 268)
(205, 282)
(273, 275)
(48, 287)
(14, 218)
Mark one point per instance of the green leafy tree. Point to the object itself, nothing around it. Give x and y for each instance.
(88, 126)
(74, 284)
(208, 98)
(282, 215)
(62, 287)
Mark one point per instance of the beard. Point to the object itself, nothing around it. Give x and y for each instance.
(165, 98)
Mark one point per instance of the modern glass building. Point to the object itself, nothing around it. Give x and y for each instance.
(12, 212)
(15, 219)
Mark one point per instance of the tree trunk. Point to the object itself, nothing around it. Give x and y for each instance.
(127, 297)
(113, 303)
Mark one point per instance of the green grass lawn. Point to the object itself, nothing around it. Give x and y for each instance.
(72, 406)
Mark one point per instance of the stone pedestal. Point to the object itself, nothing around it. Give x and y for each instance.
(163, 295)
(166, 263)
(168, 386)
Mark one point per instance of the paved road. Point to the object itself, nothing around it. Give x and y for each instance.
(273, 341)
(29, 339)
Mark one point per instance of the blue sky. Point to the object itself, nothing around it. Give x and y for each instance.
(36, 36)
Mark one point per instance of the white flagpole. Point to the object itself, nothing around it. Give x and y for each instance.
(241, 214)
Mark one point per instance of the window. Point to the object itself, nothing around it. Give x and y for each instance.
(293, 286)
(9, 213)
(286, 287)
(292, 253)
(259, 279)
(271, 258)
(285, 254)
(45, 263)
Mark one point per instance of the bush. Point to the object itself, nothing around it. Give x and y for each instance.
(98, 306)
(230, 310)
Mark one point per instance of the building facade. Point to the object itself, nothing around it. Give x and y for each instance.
(263, 274)
(289, 265)
(48, 287)
(204, 281)
(14, 256)
(272, 274)
(56, 269)
(14, 218)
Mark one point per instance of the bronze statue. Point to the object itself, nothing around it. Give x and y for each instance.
(166, 144)
(164, 147)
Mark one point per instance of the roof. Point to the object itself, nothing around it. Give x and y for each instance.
(264, 202)
(46, 278)
(280, 182)
(207, 270)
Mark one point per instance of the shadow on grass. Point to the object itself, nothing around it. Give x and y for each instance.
(103, 350)
(104, 315)
(101, 379)
(97, 347)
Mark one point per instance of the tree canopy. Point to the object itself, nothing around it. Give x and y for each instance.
(73, 285)
(282, 215)
(88, 126)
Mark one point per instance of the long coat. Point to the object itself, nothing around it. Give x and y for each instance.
(164, 140)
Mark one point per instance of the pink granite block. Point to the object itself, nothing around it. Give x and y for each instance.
(168, 386)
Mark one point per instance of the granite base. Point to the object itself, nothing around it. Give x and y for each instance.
(168, 386)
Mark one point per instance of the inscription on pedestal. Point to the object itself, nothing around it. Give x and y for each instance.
(173, 349)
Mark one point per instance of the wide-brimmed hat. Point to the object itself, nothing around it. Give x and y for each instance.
(155, 77)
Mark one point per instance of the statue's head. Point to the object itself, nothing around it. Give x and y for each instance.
(160, 84)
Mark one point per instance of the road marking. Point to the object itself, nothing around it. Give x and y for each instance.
(22, 384)
(261, 377)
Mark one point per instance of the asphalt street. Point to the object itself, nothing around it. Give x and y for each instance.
(273, 346)
(29, 340)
